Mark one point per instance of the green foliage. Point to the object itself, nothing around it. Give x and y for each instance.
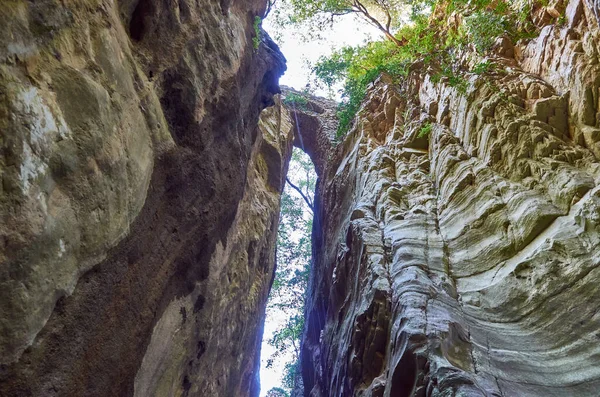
(428, 37)
(317, 15)
(459, 82)
(354, 93)
(295, 99)
(454, 78)
(483, 67)
(291, 371)
(484, 27)
(293, 264)
(256, 38)
(425, 130)
(358, 67)
(277, 392)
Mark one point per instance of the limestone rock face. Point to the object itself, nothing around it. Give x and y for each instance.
(459, 243)
(138, 198)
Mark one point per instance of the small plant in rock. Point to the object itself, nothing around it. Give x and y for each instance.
(454, 78)
(483, 67)
(256, 38)
(460, 83)
(296, 100)
(425, 130)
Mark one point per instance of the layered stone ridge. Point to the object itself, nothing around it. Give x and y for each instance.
(139, 200)
(458, 252)
(315, 124)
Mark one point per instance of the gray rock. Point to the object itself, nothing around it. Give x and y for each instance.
(476, 271)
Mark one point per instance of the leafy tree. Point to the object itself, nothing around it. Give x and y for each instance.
(293, 264)
(385, 15)
(438, 31)
(277, 392)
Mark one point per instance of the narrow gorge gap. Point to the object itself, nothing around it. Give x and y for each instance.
(284, 320)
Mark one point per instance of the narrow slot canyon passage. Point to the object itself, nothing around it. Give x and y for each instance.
(304, 198)
(280, 351)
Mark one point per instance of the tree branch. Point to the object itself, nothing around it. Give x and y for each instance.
(306, 199)
(363, 10)
(270, 4)
(344, 12)
(389, 19)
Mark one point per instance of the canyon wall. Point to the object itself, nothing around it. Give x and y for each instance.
(457, 233)
(139, 200)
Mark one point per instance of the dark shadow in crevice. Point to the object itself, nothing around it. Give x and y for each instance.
(405, 376)
(137, 25)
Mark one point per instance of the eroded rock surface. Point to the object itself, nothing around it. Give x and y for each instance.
(459, 244)
(456, 236)
(139, 200)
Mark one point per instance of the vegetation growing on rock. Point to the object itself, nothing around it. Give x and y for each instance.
(257, 26)
(446, 35)
(425, 130)
(296, 100)
(293, 264)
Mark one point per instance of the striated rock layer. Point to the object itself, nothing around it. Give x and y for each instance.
(457, 250)
(138, 199)
(456, 233)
